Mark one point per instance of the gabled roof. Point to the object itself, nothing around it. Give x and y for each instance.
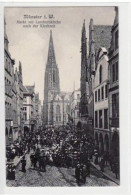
(28, 89)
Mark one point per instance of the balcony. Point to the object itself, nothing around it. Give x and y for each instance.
(114, 122)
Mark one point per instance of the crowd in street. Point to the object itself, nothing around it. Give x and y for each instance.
(60, 147)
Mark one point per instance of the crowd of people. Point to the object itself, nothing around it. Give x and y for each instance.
(60, 147)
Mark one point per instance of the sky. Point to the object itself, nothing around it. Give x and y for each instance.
(30, 45)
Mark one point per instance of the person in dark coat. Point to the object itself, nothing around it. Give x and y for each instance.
(9, 171)
(32, 159)
(23, 162)
(88, 168)
(102, 164)
(40, 160)
(13, 170)
(84, 173)
(77, 173)
(116, 170)
(44, 162)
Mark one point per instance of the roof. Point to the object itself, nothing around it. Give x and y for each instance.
(28, 89)
(102, 36)
(62, 94)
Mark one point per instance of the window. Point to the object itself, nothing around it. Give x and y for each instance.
(59, 118)
(106, 91)
(100, 118)
(115, 105)
(116, 39)
(102, 93)
(100, 74)
(115, 72)
(105, 118)
(95, 96)
(25, 116)
(78, 114)
(96, 119)
(98, 94)
(58, 109)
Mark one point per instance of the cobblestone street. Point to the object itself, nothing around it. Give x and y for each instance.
(55, 176)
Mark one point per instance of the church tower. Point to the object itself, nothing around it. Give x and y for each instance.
(84, 67)
(51, 84)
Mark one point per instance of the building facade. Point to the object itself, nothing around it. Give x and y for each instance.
(29, 108)
(38, 110)
(61, 109)
(19, 89)
(11, 126)
(99, 36)
(114, 87)
(74, 107)
(101, 112)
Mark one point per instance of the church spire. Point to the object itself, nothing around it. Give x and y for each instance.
(51, 61)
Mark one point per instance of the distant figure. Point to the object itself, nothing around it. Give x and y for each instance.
(77, 173)
(88, 168)
(84, 173)
(23, 162)
(102, 164)
(13, 170)
(116, 170)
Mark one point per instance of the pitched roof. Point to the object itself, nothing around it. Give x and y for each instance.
(28, 89)
(102, 36)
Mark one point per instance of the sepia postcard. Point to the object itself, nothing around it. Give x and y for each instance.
(61, 76)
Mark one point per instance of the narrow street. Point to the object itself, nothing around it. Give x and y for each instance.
(55, 176)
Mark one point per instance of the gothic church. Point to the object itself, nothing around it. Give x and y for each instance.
(56, 104)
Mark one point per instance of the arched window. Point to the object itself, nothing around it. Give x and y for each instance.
(58, 109)
(100, 74)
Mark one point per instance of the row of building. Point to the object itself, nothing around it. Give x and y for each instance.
(22, 104)
(99, 104)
